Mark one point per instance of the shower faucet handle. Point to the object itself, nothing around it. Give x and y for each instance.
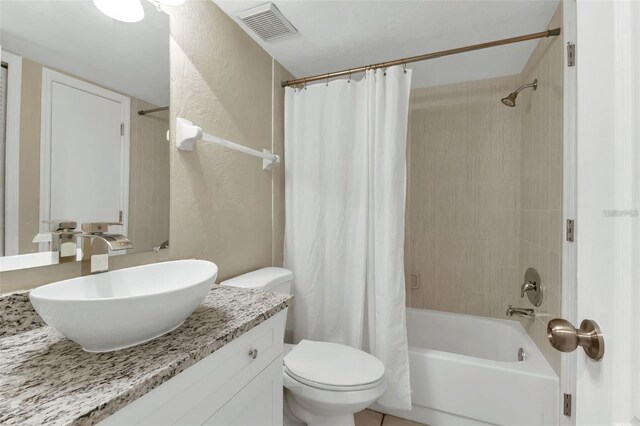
(527, 286)
(532, 287)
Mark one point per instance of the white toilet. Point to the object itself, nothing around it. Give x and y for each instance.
(325, 383)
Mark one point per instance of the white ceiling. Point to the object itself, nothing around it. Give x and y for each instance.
(74, 36)
(335, 35)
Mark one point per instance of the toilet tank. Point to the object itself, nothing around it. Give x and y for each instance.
(277, 280)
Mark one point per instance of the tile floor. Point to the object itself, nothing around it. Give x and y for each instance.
(373, 418)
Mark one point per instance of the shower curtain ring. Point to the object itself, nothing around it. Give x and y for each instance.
(327, 85)
(384, 74)
(349, 78)
(404, 67)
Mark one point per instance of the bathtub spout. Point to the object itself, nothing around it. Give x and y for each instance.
(521, 312)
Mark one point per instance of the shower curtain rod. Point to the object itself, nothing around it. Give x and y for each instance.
(149, 111)
(549, 33)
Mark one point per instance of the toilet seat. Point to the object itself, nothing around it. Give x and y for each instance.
(323, 386)
(331, 366)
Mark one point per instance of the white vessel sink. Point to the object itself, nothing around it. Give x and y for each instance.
(118, 309)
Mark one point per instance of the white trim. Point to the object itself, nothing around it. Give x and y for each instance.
(12, 156)
(569, 259)
(48, 78)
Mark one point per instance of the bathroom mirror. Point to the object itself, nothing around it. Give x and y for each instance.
(83, 126)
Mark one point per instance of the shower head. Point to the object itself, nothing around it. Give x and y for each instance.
(510, 100)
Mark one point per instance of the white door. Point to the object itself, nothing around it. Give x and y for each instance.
(608, 164)
(85, 151)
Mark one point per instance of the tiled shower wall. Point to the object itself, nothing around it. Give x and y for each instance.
(541, 228)
(463, 219)
(149, 178)
(485, 193)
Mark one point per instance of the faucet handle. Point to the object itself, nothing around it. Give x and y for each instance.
(527, 286)
(532, 286)
(98, 227)
(64, 225)
(61, 225)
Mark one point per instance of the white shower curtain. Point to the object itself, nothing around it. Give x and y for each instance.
(345, 185)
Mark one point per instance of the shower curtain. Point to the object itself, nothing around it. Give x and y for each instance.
(345, 185)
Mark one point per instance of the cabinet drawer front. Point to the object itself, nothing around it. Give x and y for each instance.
(195, 394)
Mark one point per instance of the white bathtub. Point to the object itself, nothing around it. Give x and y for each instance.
(465, 371)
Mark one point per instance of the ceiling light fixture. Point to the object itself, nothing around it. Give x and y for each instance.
(121, 10)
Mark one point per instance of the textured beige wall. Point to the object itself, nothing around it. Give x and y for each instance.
(464, 193)
(541, 185)
(149, 170)
(279, 74)
(221, 202)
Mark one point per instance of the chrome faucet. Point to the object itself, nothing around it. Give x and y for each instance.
(521, 312)
(63, 240)
(62, 237)
(96, 245)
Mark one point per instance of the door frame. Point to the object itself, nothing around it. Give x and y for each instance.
(12, 153)
(49, 77)
(570, 201)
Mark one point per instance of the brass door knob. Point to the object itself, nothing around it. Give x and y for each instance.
(566, 338)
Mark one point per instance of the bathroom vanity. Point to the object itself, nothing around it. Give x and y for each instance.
(222, 366)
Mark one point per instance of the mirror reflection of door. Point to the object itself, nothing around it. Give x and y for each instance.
(11, 86)
(85, 153)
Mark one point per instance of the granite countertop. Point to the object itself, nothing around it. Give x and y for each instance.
(46, 378)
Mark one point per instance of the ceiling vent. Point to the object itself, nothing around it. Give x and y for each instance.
(267, 22)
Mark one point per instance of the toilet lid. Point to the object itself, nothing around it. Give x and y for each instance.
(332, 364)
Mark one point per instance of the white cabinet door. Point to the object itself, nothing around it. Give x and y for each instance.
(257, 404)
